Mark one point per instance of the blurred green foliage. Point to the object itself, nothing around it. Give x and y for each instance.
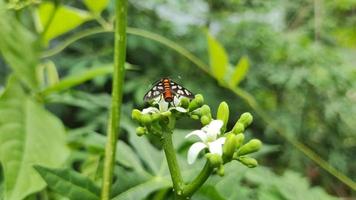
(296, 58)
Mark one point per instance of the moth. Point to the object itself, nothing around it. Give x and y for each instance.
(168, 89)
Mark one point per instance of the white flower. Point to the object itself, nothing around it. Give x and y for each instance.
(209, 139)
(164, 106)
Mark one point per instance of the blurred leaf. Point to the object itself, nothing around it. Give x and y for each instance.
(208, 192)
(64, 19)
(142, 190)
(18, 48)
(149, 154)
(291, 185)
(69, 183)
(96, 6)
(95, 143)
(28, 135)
(218, 57)
(240, 71)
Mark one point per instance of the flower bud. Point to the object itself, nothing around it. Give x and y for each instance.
(184, 102)
(246, 119)
(196, 102)
(146, 119)
(238, 128)
(205, 120)
(239, 140)
(250, 147)
(221, 170)
(229, 146)
(136, 114)
(155, 116)
(205, 110)
(140, 131)
(196, 117)
(214, 159)
(248, 161)
(223, 114)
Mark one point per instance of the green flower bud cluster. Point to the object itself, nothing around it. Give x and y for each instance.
(233, 148)
(152, 120)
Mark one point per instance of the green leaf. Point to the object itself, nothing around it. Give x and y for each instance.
(28, 135)
(69, 183)
(63, 19)
(218, 57)
(143, 189)
(18, 48)
(96, 6)
(240, 71)
(208, 192)
(150, 155)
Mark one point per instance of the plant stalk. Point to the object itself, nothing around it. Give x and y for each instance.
(172, 163)
(204, 174)
(117, 87)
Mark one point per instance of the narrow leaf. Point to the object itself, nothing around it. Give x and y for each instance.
(63, 19)
(240, 71)
(96, 6)
(28, 135)
(218, 57)
(69, 183)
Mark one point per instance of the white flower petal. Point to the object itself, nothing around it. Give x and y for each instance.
(194, 151)
(150, 110)
(179, 109)
(163, 105)
(176, 100)
(216, 146)
(201, 134)
(213, 129)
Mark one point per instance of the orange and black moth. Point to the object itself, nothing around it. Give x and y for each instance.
(167, 89)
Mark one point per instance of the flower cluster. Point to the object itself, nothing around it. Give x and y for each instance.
(220, 146)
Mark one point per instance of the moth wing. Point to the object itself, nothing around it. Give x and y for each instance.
(154, 92)
(180, 90)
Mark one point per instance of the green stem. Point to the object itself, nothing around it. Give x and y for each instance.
(172, 162)
(117, 87)
(189, 189)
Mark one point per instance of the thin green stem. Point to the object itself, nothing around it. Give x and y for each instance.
(204, 174)
(117, 87)
(172, 162)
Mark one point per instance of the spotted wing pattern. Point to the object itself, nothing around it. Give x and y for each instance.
(179, 90)
(154, 92)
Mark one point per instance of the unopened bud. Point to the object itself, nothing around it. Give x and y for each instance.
(223, 114)
(184, 102)
(238, 128)
(140, 131)
(221, 170)
(246, 119)
(239, 140)
(136, 114)
(248, 161)
(196, 102)
(146, 119)
(250, 147)
(205, 120)
(205, 110)
(229, 146)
